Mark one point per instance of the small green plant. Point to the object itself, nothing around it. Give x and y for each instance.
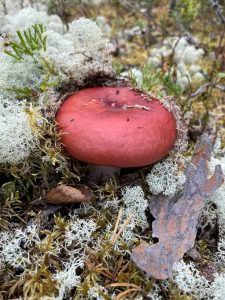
(151, 77)
(171, 87)
(117, 68)
(10, 205)
(186, 11)
(30, 41)
(154, 80)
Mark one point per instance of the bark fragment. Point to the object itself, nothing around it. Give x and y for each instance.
(176, 218)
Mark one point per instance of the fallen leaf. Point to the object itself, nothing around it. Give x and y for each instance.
(176, 218)
(65, 194)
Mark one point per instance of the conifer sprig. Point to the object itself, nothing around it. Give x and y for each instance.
(30, 41)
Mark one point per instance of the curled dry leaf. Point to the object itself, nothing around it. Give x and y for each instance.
(176, 218)
(65, 194)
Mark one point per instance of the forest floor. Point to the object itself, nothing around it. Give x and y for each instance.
(83, 251)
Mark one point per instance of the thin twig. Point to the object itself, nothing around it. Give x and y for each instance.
(123, 227)
(126, 222)
(147, 15)
(116, 225)
(220, 87)
(204, 88)
(219, 10)
(200, 90)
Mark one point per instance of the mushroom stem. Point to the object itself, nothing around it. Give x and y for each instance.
(100, 174)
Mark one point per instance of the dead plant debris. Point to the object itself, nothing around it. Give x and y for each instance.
(64, 194)
(176, 218)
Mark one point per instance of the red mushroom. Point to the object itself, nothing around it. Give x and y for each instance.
(116, 127)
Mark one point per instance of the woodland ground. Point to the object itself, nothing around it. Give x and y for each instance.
(75, 251)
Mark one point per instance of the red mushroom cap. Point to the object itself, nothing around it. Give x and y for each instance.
(116, 127)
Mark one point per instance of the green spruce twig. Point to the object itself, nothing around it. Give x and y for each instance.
(31, 41)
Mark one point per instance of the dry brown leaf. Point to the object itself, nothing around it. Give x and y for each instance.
(176, 218)
(65, 194)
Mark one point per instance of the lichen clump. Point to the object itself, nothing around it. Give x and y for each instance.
(16, 137)
(81, 53)
(166, 178)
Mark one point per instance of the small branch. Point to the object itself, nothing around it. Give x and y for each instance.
(115, 235)
(200, 90)
(219, 10)
(204, 88)
(116, 225)
(172, 5)
(148, 15)
(123, 227)
(220, 87)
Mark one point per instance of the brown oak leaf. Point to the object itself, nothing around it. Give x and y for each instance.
(65, 194)
(176, 218)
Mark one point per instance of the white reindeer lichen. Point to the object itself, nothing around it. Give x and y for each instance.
(16, 137)
(165, 178)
